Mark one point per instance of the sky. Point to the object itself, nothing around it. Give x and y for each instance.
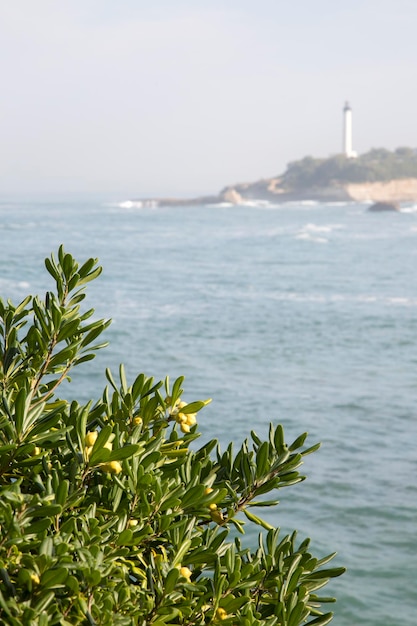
(183, 97)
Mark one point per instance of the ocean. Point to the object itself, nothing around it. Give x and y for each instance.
(299, 314)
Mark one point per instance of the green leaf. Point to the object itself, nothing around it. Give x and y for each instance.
(44, 602)
(32, 415)
(62, 357)
(125, 537)
(298, 442)
(94, 333)
(91, 276)
(54, 577)
(295, 618)
(325, 573)
(193, 496)
(110, 378)
(193, 407)
(257, 520)
(279, 440)
(181, 552)
(84, 270)
(20, 308)
(62, 492)
(176, 389)
(20, 411)
(312, 449)
(99, 453)
(68, 329)
(171, 580)
(38, 527)
(73, 585)
(46, 510)
(41, 317)
(83, 359)
(125, 452)
(322, 620)
(262, 460)
(52, 268)
(122, 375)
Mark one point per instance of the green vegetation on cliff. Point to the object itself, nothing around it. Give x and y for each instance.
(377, 165)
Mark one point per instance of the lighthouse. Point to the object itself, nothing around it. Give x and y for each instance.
(347, 132)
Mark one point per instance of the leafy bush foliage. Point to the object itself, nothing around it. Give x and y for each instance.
(108, 516)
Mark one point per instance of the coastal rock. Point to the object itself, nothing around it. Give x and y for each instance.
(231, 195)
(383, 206)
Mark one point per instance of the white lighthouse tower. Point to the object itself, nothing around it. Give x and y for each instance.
(347, 132)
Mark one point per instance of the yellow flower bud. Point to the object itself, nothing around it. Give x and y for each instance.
(91, 438)
(132, 522)
(213, 506)
(185, 428)
(191, 419)
(108, 445)
(35, 579)
(181, 418)
(207, 490)
(185, 572)
(137, 420)
(221, 614)
(87, 452)
(36, 451)
(112, 467)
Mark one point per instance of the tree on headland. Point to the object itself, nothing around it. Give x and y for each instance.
(377, 165)
(108, 516)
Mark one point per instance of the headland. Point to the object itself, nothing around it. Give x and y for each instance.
(376, 176)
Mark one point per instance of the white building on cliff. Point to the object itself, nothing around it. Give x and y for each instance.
(347, 132)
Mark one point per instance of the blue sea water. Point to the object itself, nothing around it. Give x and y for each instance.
(304, 315)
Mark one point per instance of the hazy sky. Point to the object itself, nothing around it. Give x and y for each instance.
(186, 96)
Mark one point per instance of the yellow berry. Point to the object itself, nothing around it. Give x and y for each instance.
(221, 614)
(185, 572)
(112, 467)
(207, 490)
(35, 579)
(213, 506)
(132, 522)
(217, 516)
(91, 438)
(36, 451)
(137, 420)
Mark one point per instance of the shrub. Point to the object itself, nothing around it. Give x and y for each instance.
(378, 164)
(108, 516)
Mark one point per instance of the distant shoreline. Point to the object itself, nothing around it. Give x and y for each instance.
(376, 176)
(394, 192)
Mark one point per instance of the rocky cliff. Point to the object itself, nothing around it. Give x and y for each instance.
(401, 190)
(394, 191)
